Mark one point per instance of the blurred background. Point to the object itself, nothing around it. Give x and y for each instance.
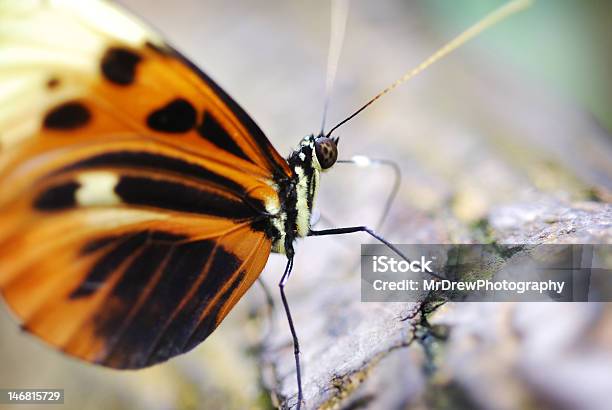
(523, 113)
(565, 45)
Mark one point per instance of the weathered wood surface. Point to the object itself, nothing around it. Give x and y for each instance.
(488, 355)
(486, 153)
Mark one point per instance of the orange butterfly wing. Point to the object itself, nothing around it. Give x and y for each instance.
(136, 194)
(137, 295)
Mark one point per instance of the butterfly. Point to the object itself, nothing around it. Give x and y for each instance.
(139, 201)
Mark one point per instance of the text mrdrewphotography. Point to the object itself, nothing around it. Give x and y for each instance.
(479, 285)
(487, 273)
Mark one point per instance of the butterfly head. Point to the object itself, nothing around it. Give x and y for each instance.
(326, 150)
(318, 153)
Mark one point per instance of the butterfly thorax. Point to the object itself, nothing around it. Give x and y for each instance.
(314, 155)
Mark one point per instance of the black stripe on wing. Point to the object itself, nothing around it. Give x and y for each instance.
(147, 160)
(174, 196)
(118, 249)
(175, 338)
(154, 309)
(160, 181)
(212, 131)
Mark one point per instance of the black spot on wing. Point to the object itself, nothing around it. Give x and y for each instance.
(57, 198)
(119, 65)
(67, 116)
(212, 131)
(175, 117)
(181, 198)
(108, 263)
(132, 349)
(255, 132)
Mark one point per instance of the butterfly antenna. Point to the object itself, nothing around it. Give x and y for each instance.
(339, 16)
(486, 22)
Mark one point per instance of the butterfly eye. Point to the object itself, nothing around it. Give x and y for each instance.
(327, 152)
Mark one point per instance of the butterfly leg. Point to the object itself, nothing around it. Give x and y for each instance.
(296, 345)
(363, 161)
(353, 229)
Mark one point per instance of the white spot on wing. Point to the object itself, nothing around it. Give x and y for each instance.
(97, 189)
